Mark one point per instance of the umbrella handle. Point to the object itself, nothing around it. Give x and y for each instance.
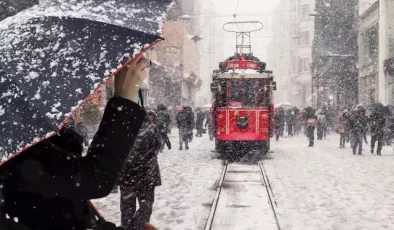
(95, 211)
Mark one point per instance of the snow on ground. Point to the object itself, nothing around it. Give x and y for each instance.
(189, 179)
(326, 187)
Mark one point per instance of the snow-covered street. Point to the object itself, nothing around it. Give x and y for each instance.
(189, 179)
(329, 188)
(324, 187)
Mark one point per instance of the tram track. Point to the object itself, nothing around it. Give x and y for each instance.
(238, 194)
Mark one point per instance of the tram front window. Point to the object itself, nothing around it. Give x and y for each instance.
(242, 92)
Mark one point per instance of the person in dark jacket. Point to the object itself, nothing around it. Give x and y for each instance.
(200, 122)
(48, 186)
(290, 119)
(311, 122)
(377, 124)
(279, 124)
(163, 124)
(80, 129)
(208, 124)
(357, 124)
(140, 176)
(189, 122)
(181, 119)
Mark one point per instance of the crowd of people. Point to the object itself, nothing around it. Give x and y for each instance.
(353, 125)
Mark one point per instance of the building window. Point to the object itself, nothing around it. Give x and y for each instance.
(294, 63)
(303, 65)
(304, 12)
(304, 38)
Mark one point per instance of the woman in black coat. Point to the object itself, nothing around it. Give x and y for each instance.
(140, 176)
(48, 186)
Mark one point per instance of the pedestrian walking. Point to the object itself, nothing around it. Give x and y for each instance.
(199, 122)
(208, 125)
(377, 122)
(341, 127)
(279, 124)
(290, 119)
(321, 125)
(357, 126)
(140, 176)
(182, 126)
(163, 123)
(311, 122)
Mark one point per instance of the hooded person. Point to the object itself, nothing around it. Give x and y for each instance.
(140, 176)
(48, 186)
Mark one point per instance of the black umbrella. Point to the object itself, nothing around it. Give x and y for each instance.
(11, 7)
(54, 55)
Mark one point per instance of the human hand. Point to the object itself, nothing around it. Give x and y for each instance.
(128, 81)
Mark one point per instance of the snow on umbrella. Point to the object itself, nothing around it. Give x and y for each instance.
(54, 55)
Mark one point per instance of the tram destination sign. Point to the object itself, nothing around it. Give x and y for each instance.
(243, 65)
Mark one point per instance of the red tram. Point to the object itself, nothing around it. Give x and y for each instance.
(242, 109)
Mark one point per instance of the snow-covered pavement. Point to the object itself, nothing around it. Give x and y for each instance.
(329, 188)
(324, 187)
(189, 179)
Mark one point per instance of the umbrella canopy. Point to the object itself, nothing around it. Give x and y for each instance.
(11, 7)
(284, 105)
(54, 55)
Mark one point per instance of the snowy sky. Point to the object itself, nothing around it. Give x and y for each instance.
(259, 10)
(256, 10)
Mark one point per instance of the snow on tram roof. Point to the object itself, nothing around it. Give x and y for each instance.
(244, 75)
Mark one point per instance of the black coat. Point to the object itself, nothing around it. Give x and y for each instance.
(163, 120)
(47, 186)
(377, 123)
(185, 118)
(142, 167)
(200, 120)
(358, 124)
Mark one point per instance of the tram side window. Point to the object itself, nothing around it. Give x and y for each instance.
(263, 93)
(222, 99)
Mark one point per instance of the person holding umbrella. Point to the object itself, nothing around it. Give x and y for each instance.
(48, 185)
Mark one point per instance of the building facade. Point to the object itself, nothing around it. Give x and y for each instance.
(368, 45)
(376, 47)
(335, 54)
(291, 51)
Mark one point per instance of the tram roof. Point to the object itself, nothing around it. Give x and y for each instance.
(243, 76)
